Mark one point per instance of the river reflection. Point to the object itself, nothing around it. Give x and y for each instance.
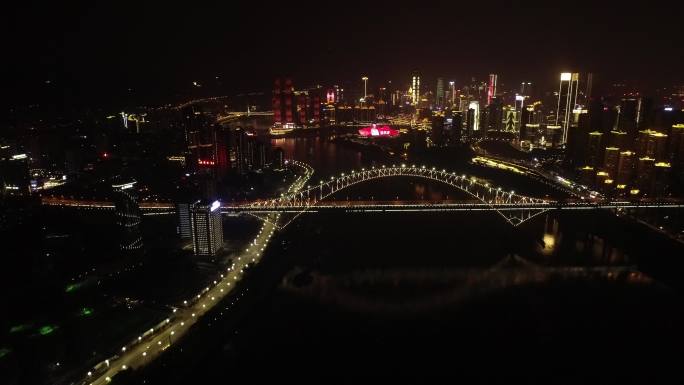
(405, 297)
(474, 253)
(326, 157)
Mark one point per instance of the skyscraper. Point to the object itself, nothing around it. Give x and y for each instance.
(652, 144)
(195, 122)
(206, 227)
(14, 175)
(473, 119)
(128, 216)
(456, 126)
(440, 93)
(625, 167)
(437, 129)
(495, 114)
(567, 100)
(415, 88)
(491, 88)
(283, 103)
(184, 227)
(526, 89)
(610, 161)
(594, 148)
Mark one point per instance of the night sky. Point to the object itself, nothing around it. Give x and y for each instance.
(93, 53)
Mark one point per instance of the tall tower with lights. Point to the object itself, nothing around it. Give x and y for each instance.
(567, 100)
(206, 227)
(127, 216)
(365, 88)
(415, 87)
(491, 88)
(440, 93)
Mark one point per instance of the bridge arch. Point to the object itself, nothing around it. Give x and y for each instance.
(489, 195)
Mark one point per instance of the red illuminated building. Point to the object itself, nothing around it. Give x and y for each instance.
(378, 131)
(283, 103)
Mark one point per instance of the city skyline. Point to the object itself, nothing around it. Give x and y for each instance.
(307, 192)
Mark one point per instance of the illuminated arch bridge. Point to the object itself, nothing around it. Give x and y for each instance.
(514, 208)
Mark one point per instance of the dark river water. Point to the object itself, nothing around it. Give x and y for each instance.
(582, 297)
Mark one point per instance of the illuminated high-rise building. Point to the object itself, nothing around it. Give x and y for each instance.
(495, 115)
(610, 160)
(284, 106)
(618, 139)
(652, 144)
(587, 175)
(645, 173)
(415, 88)
(567, 100)
(14, 174)
(365, 88)
(491, 88)
(553, 135)
(677, 146)
(625, 168)
(511, 119)
(452, 84)
(526, 89)
(206, 147)
(594, 148)
(207, 228)
(437, 129)
(456, 126)
(439, 96)
(661, 178)
(631, 115)
(128, 216)
(473, 119)
(183, 214)
(195, 122)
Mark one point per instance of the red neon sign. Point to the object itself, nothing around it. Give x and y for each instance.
(376, 130)
(206, 162)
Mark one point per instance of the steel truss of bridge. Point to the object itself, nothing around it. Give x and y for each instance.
(514, 208)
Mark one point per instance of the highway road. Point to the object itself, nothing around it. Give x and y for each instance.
(147, 348)
(150, 344)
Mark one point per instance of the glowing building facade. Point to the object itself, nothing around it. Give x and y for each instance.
(491, 88)
(207, 228)
(567, 101)
(128, 216)
(415, 89)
